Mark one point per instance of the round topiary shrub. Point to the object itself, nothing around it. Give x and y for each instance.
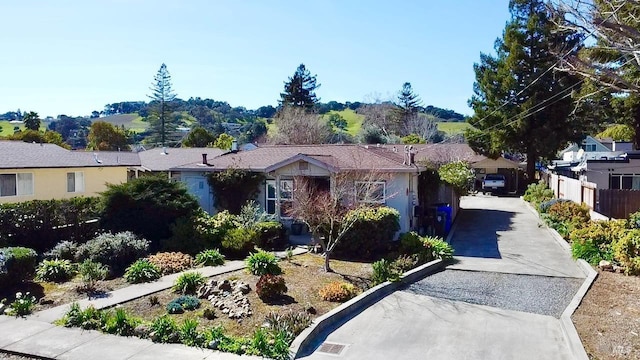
(270, 287)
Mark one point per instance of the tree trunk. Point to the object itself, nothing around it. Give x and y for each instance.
(327, 257)
(531, 166)
(636, 127)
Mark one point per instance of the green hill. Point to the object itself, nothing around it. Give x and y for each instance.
(453, 127)
(131, 122)
(6, 128)
(354, 120)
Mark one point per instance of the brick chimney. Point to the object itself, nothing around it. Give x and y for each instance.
(204, 159)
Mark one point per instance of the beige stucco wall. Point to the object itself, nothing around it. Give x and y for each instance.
(52, 183)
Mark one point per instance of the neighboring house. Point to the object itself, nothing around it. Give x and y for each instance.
(593, 178)
(593, 145)
(159, 160)
(30, 171)
(398, 176)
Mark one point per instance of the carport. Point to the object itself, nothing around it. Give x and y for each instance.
(510, 169)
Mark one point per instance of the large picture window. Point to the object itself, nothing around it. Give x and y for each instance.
(75, 182)
(374, 192)
(16, 184)
(285, 190)
(621, 181)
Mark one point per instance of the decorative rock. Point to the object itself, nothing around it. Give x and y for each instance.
(605, 265)
(213, 344)
(618, 269)
(243, 288)
(142, 331)
(310, 310)
(228, 296)
(45, 301)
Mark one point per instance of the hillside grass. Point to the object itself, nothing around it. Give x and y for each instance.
(354, 120)
(7, 129)
(132, 122)
(453, 127)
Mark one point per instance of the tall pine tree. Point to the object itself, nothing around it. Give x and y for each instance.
(519, 104)
(299, 91)
(407, 109)
(161, 97)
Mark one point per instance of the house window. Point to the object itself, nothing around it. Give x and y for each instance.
(374, 192)
(285, 190)
(590, 147)
(628, 182)
(16, 184)
(75, 182)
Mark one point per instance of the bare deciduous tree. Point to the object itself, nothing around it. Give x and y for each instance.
(616, 53)
(423, 125)
(324, 211)
(296, 126)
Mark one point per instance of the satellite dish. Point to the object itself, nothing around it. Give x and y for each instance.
(580, 154)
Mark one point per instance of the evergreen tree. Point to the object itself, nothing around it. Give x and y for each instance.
(199, 137)
(105, 136)
(407, 108)
(31, 120)
(161, 97)
(299, 91)
(519, 105)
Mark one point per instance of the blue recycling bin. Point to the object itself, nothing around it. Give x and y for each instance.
(444, 210)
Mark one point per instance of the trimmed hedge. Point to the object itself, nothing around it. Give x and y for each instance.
(371, 233)
(16, 265)
(41, 224)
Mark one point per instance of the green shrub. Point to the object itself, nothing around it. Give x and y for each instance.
(271, 235)
(626, 251)
(55, 270)
(17, 264)
(405, 263)
(565, 216)
(189, 334)
(458, 175)
(91, 272)
(593, 242)
(544, 206)
(438, 248)
(142, 271)
(382, 271)
(182, 303)
(88, 319)
(251, 214)
(213, 228)
(262, 263)
(538, 193)
(164, 330)
(188, 283)
(22, 306)
(115, 250)
(338, 291)
(290, 322)
(372, 231)
(120, 323)
(64, 250)
(239, 241)
(226, 343)
(185, 236)
(634, 220)
(270, 287)
(210, 257)
(426, 248)
(148, 206)
(272, 344)
(40, 224)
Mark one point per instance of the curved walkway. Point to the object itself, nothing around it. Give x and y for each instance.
(501, 299)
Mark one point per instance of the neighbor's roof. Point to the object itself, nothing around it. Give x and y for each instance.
(333, 156)
(22, 155)
(157, 160)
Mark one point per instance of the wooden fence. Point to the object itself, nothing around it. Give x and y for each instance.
(617, 204)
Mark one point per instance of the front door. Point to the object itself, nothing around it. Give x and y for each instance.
(198, 187)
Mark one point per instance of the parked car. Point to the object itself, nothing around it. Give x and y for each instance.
(494, 183)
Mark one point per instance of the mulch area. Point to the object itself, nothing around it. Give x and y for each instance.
(304, 277)
(608, 319)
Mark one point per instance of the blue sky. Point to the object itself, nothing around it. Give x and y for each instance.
(72, 57)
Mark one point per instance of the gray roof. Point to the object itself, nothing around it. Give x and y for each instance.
(22, 155)
(157, 160)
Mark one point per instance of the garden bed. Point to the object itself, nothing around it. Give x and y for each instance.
(304, 277)
(608, 319)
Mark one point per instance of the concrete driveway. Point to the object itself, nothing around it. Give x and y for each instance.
(501, 300)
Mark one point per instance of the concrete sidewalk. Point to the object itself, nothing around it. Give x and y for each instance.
(48, 341)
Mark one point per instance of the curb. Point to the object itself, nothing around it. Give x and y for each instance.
(357, 305)
(568, 328)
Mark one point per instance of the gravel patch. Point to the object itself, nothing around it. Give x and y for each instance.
(533, 294)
